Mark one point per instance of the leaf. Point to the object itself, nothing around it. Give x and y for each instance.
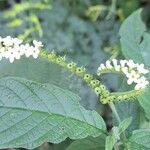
(140, 140)
(110, 141)
(33, 113)
(124, 125)
(89, 143)
(131, 33)
(135, 45)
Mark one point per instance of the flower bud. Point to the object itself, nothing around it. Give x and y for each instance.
(98, 91)
(87, 77)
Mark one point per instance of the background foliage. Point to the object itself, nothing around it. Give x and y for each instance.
(87, 36)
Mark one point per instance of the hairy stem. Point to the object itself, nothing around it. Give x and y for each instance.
(114, 111)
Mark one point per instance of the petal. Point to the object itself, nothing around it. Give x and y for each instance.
(129, 81)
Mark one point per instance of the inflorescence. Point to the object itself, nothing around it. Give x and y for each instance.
(133, 71)
(13, 48)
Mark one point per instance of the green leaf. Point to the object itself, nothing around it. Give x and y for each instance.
(135, 45)
(89, 143)
(131, 33)
(127, 109)
(124, 125)
(140, 140)
(33, 113)
(110, 141)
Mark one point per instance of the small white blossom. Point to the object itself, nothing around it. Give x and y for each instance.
(11, 55)
(108, 64)
(141, 84)
(123, 63)
(7, 41)
(132, 77)
(17, 41)
(102, 67)
(125, 70)
(141, 69)
(114, 61)
(131, 64)
(35, 52)
(117, 68)
(37, 44)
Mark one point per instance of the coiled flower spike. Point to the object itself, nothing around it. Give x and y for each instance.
(133, 71)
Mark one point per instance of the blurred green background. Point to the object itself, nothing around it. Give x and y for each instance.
(86, 31)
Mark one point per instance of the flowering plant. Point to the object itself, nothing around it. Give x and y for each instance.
(39, 113)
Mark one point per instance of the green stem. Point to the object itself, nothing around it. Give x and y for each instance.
(114, 111)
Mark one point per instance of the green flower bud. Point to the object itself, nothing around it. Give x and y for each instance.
(88, 77)
(80, 71)
(52, 56)
(103, 101)
(125, 97)
(119, 98)
(94, 83)
(72, 66)
(103, 87)
(106, 93)
(112, 98)
(61, 60)
(97, 82)
(43, 54)
(108, 100)
(97, 91)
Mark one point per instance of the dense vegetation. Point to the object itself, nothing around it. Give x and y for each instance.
(87, 32)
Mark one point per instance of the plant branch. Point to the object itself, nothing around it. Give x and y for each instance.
(114, 111)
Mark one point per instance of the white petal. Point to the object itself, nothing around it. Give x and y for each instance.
(129, 81)
(123, 62)
(114, 62)
(137, 87)
(117, 68)
(11, 59)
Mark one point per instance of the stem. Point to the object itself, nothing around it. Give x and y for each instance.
(114, 111)
(112, 11)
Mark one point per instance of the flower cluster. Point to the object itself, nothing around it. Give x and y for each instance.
(13, 48)
(133, 71)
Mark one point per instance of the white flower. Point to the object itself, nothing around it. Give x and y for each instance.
(2, 52)
(117, 68)
(114, 61)
(131, 64)
(125, 70)
(7, 41)
(132, 77)
(37, 44)
(11, 55)
(108, 64)
(35, 52)
(141, 69)
(17, 41)
(102, 67)
(28, 50)
(141, 84)
(123, 63)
